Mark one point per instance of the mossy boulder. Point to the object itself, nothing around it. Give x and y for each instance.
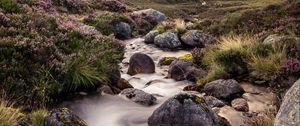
(195, 38)
(166, 60)
(186, 57)
(63, 117)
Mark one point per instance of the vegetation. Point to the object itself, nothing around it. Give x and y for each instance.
(9, 116)
(37, 117)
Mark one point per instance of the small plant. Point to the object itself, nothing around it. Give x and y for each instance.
(291, 66)
(9, 116)
(180, 26)
(164, 26)
(10, 6)
(37, 117)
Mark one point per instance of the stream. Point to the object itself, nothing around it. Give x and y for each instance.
(116, 110)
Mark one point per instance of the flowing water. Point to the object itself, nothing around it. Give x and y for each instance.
(116, 110)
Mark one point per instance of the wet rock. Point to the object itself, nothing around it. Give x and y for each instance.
(240, 104)
(139, 96)
(123, 30)
(151, 15)
(289, 112)
(149, 38)
(213, 102)
(192, 88)
(167, 40)
(195, 38)
(224, 89)
(166, 61)
(123, 84)
(107, 90)
(183, 70)
(184, 110)
(140, 63)
(63, 117)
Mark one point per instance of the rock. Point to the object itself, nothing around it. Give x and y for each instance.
(123, 84)
(149, 38)
(213, 102)
(139, 96)
(183, 70)
(289, 112)
(114, 5)
(166, 61)
(224, 89)
(184, 110)
(195, 38)
(114, 77)
(63, 117)
(152, 16)
(107, 90)
(167, 40)
(196, 88)
(240, 104)
(140, 63)
(123, 30)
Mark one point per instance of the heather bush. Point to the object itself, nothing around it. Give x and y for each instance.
(291, 66)
(10, 6)
(73, 6)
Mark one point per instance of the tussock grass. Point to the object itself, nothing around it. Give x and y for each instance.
(180, 26)
(37, 117)
(9, 116)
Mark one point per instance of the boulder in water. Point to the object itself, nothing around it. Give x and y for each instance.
(140, 63)
(63, 117)
(224, 89)
(184, 110)
(139, 96)
(197, 39)
(289, 112)
(149, 38)
(167, 40)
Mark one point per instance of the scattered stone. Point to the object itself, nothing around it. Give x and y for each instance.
(123, 84)
(167, 40)
(183, 70)
(152, 16)
(240, 104)
(107, 90)
(197, 39)
(123, 30)
(289, 112)
(149, 38)
(192, 88)
(139, 96)
(224, 89)
(184, 110)
(140, 63)
(213, 102)
(63, 117)
(166, 61)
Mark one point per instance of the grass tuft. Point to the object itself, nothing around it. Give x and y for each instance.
(9, 116)
(37, 117)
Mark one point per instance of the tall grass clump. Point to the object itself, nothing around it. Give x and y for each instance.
(9, 116)
(37, 117)
(180, 26)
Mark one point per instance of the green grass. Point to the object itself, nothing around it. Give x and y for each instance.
(37, 117)
(9, 116)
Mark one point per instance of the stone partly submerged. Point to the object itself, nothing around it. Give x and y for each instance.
(63, 117)
(185, 110)
(139, 96)
(140, 63)
(289, 112)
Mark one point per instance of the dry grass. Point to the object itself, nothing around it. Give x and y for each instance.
(38, 116)
(9, 116)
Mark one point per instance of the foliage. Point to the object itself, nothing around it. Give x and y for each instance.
(10, 6)
(164, 26)
(9, 116)
(37, 117)
(73, 6)
(265, 119)
(291, 66)
(180, 26)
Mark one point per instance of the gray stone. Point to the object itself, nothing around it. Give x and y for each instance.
(140, 63)
(240, 104)
(195, 38)
(213, 102)
(149, 38)
(224, 89)
(123, 30)
(184, 110)
(63, 117)
(168, 40)
(139, 96)
(289, 112)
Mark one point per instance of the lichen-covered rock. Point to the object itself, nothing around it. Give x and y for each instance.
(195, 38)
(167, 40)
(224, 89)
(184, 110)
(139, 96)
(152, 16)
(183, 70)
(289, 112)
(63, 117)
(240, 104)
(166, 60)
(123, 30)
(140, 63)
(186, 57)
(213, 102)
(149, 38)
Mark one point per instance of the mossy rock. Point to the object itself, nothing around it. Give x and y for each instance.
(166, 60)
(63, 117)
(186, 57)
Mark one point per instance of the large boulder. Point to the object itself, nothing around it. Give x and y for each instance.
(184, 110)
(183, 70)
(140, 63)
(213, 102)
(289, 112)
(152, 16)
(123, 30)
(63, 117)
(167, 40)
(224, 89)
(195, 38)
(149, 38)
(139, 96)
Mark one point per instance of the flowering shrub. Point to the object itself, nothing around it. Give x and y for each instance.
(291, 66)
(114, 5)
